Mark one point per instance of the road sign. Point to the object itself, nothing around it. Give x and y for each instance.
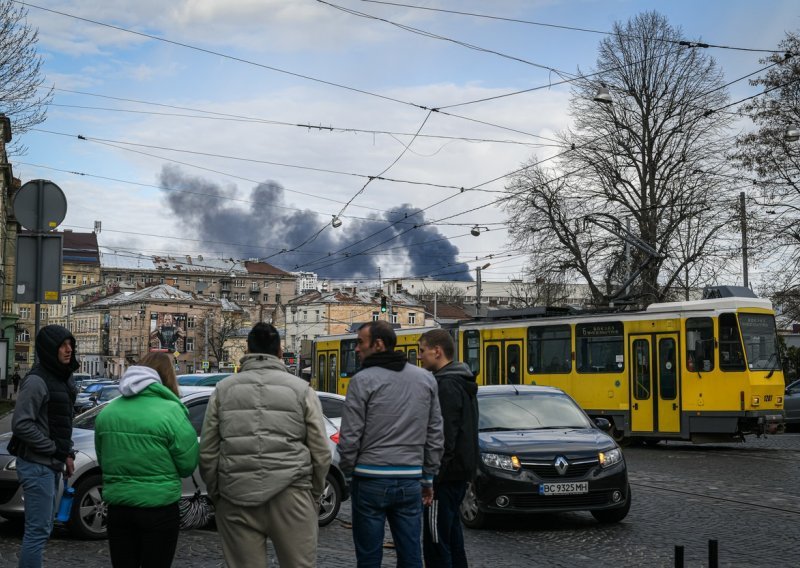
(205, 364)
(177, 353)
(38, 269)
(40, 205)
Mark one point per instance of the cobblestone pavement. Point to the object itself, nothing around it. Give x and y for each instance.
(746, 496)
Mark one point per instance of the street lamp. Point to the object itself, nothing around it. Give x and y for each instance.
(476, 230)
(336, 222)
(603, 95)
(792, 133)
(478, 287)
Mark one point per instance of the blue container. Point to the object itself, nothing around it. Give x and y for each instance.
(65, 507)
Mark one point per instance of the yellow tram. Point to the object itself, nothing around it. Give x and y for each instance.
(705, 370)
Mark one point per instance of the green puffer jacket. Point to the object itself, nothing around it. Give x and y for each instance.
(144, 442)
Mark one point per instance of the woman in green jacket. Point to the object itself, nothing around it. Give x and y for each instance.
(145, 444)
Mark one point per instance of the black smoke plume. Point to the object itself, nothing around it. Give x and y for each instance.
(266, 228)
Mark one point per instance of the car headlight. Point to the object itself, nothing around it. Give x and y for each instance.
(510, 463)
(12, 465)
(610, 457)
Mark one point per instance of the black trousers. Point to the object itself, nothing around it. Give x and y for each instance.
(443, 537)
(143, 537)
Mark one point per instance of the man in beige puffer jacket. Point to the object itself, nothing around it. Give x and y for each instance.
(264, 456)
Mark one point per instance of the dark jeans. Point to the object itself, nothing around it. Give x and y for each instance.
(142, 537)
(443, 539)
(373, 502)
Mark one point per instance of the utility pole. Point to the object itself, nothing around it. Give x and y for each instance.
(743, 215)
(478, 288)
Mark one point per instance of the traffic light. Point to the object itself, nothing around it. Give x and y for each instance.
(383, 303)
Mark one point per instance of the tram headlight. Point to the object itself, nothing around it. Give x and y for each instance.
(610, 457)
(509, 463)
(756, 400)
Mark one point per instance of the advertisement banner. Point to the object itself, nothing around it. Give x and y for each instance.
(167, 332)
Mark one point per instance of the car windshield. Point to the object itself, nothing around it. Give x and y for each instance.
(529, 411)
(108, 393)
(94, 387)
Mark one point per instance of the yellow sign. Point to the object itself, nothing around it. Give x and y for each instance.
(176, 353)
(51, 295)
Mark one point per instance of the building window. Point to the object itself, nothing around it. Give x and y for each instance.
(277, 298)
(69, 279)
(187, 281)
(238, 283)
(24, 313)
(190, 344)
(213, 295)
(254, 286)
(189, 322)
(375, 316)
(84, 280)
(305, 315)
(265, 298)
(160, 280)
(394, 317)
(43, 313)
(23, 335)
(412, 318)
(226, 355)
(316, 313)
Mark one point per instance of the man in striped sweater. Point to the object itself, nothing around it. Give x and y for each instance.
(391, 443)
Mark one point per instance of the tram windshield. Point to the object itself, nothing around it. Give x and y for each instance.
(760, 341)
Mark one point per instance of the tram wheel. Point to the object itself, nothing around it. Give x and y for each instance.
(619, 436)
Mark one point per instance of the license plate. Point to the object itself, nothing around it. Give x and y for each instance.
(572, 488)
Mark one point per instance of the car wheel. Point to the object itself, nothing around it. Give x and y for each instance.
(609, 516)
(471, 514)
(330, 501)
(89, 516)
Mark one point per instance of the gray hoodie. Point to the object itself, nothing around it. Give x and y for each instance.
(136, 379)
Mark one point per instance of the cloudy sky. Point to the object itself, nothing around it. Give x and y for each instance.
(241, 128)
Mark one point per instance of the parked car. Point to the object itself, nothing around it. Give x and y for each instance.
(541, 453)
(89, 390)
(332, 405)
(201, 379)
(88, 516)
(105, 394)
(791, 406)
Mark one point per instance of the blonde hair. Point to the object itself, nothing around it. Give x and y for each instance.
(162, 364)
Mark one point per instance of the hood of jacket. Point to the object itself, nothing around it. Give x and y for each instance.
(48, 340)
(392, 360)
(459, 371)
(136, 379)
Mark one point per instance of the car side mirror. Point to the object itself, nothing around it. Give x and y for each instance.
(603, 423)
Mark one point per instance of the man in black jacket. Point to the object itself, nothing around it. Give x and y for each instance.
(443, 542)
(42, 435)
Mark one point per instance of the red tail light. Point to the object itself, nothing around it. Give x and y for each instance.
(335, 437)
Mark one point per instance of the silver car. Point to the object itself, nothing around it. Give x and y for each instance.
(88, 516)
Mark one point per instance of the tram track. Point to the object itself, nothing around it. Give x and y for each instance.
(794, 511)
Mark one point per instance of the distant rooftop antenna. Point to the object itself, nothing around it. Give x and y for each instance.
(98, 226)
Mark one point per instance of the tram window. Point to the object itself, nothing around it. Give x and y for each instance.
(412, 356)
(472, 350)
(493, 365)
(731, 355)
(322, 374)
(549, 349)
(667, 369)
(600, 347)
(513, 364)
(350, 363)
(641, 369)
(699, 344)
(760, 341)
(333, 379)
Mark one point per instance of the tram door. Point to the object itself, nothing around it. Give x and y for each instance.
(654, 380)
(502, 362)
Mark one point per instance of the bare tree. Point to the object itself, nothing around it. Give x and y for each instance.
(774, 161)
(446, 293)
(23, 97)
(215, 329)
(548, 290)
(651, 161)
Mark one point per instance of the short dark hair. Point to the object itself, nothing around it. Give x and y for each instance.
(264, 338)
(381, 330)
(440, 338)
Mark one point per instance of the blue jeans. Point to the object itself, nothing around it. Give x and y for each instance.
(373, 502)
(443, 541)
(39, 488)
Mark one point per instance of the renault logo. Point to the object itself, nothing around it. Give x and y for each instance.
(561, 464)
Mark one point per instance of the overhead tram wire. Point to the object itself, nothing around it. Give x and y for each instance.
(559, 26)
(256, 64)
(318, 127)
